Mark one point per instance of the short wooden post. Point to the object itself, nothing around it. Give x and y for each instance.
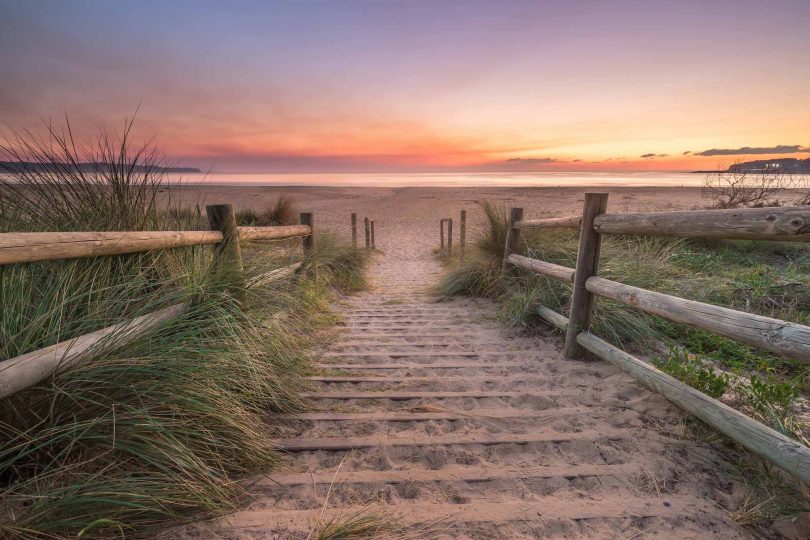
(368, 234)
(227, 254)
(441, 234)
(579, 317)
(450, 235)
(308, 219)
(512, 234)
(354, 230)
(373, 244)
(462, 233)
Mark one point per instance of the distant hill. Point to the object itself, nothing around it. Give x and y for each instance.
(19, 166)
(782, 165)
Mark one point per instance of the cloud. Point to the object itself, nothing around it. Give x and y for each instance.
(532, 161)
(686, 153)
(648, 156)
(778, 149)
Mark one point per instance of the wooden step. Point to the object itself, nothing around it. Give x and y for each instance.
(399, 380)
(406, 416)
(431, 365)
(452, 473)
(466, 354)
(481, 439)
(403, 396)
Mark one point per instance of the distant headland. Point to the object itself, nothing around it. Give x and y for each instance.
(783, 165)
(21, 166)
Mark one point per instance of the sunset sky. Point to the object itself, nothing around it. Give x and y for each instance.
(369, 86)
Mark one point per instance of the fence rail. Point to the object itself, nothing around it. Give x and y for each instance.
(28, 369)
(781, 337)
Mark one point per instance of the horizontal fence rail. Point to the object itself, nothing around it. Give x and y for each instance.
(784, 224)
(48, 246)
(31, 368)
(774, 335)
(570, 222)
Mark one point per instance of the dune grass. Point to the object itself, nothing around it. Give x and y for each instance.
(162, 427)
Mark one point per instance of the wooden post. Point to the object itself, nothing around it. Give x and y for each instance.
(450, 236)
(462, 233)
(373, 244)
(308, 219)
(227, 254)
(354, 230)
(512, 234)
(579, 318)
(368, 233)
(441, 234)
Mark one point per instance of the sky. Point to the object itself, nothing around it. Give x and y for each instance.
(419, 86)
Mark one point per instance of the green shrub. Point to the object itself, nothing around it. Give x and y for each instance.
(692, 372)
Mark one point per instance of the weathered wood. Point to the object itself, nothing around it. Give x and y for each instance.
(590, 242)
(568, 222)
(784, 224)
(27, 370)
(277, 232)
(373, 242)
(462, 234)
(789, 455)
(275, 275)
(354, 230)
(228, 254)
(441, 234)
(49, 246)
(449, 235)
(512, 234)
(368, 233)
(781, 337)
(560, 273)
(553, 318)
(308, 220)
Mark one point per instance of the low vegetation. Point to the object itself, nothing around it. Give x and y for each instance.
(162, 427)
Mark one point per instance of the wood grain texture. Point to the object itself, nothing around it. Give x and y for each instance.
(49, 246)
(278, 232)
(27, 370)
(567, 222)
(308, 220)
(552, 317)
(512, 234)
(555, 271)
(789, 455)
(784, 224)
(781, 337)
(590, 244)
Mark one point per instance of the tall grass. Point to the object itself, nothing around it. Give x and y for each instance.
(282, 212)
(161, 427)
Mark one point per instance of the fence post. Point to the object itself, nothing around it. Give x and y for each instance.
(308, 219)
(590, 242)
(368, 238)
(373, 244)
(450, 236)
(227, 254)
(354, 230)
(512, 234)
(462, 233)
(441, 234)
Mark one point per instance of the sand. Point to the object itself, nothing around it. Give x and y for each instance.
(435, 414)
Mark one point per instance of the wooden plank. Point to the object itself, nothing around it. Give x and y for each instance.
(430, 354)
(789, 455)
(560, 273)
(273, 233)
(406, 416)
(567, 222)
(275, 275)
(484, 439)
(512, 234)
(405, 396)
(784, 224)
(432, 365)
(451, 473)
(27, 370)
(780, 337)
(590, 243)
(49, 246)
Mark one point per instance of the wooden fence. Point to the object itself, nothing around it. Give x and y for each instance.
(777, 336)
(462, 236)
(24, 371)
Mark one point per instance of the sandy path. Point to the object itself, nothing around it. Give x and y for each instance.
(432, 412)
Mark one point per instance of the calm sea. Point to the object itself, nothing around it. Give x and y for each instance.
(544, 179)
